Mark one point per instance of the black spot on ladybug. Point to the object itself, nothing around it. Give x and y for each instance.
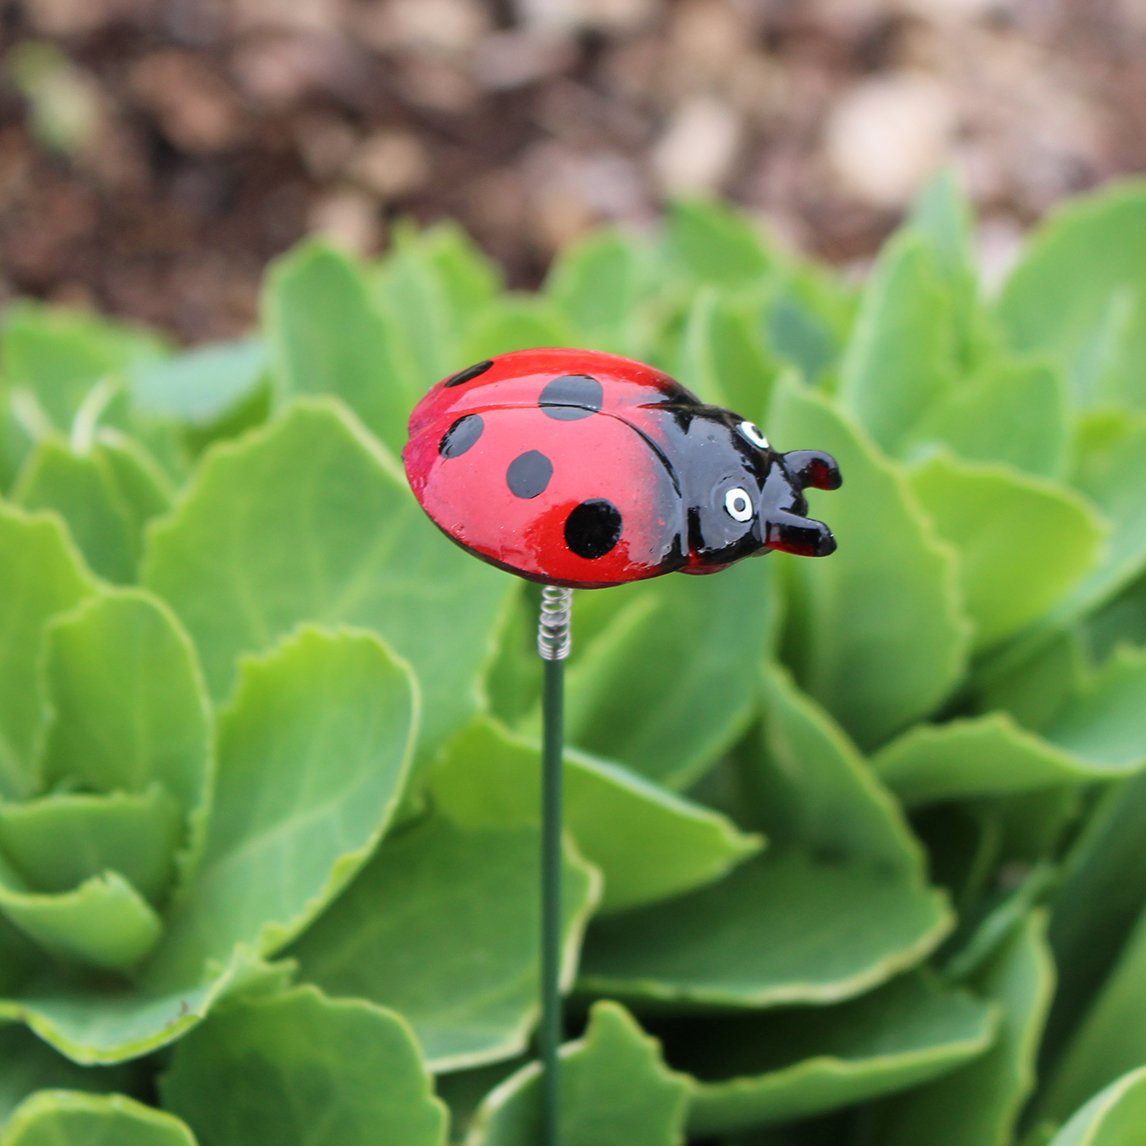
(528, 474)
(469, 373)
(461, 435)
(593, 528)
(572, 396)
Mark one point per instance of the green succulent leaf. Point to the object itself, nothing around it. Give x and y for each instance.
(313, 753)
(326, 335)
(879, 667)
(789, 1065)
(1009, 577)
(41, 575)
(129, 707)
(689, 649)
(1012, 411)
(299, 1069)
(709, 242)
(52, 1117)
(1111, 1118)
(1077, 294)
(392, 937)
(900, 360)
(615, 1091)
(513, 322)
(359, 552)
(979, 1104)
(648, 843)
(105, 493)
(134, 833)
(104, 923)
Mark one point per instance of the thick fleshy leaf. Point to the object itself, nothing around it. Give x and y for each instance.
(105, 493)
(104, 923)
(466, 276)
(1098, 901)
(134, 833)
(723, 359)
(598, 280)
(54, 1117)
(1009, 576)
(299, 1069)
(900, 360)
(393, 937)
(708, 241)
(1110, 1039)
(979, 1104)
(121, 1020)
(1077, 292)
(1014, 412)
(674, 682)
(202, 386)
(844, 863)
(762, 1070)
(984, 756)
(58, 354)
(1113, 1117)
(129, 707)
(327, 336)
(648, 843)
(313, 753)
(41, 574)
(615, 1091)
(881, 667)
(514, 322)
(359, 551)
(28, 1064)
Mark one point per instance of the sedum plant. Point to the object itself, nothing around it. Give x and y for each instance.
(854, 849)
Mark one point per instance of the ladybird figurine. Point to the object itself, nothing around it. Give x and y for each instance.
(583, 469)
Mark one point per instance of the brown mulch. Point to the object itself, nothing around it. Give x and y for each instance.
(154, 154)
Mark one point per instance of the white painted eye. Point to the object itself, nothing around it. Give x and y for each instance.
(754, 434)
(738, 504)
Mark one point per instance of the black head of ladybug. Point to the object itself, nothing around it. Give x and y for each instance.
(741, 496)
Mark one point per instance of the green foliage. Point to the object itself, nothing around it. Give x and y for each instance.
(858, 843)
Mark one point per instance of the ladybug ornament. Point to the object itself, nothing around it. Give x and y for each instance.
(582, 469)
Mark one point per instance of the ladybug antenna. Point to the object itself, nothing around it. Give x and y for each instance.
(813, 469)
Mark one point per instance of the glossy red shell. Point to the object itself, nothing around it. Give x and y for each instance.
(579, 468)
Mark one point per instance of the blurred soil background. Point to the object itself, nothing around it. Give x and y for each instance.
(154, 154)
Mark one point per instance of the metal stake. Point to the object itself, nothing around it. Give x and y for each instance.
(553, 643)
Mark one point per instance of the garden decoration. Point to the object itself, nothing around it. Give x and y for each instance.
(580, 469)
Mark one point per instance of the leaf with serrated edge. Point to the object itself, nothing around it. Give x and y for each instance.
(326, 336)
(313, 754)
(762, 1070)
(843, 863)
(615, 1091)
(1079, 261)
(649, 844)
(979, 1104)
(41, 574)
(358, 551)
(1113, 1117)
(987, 755)
(300, 1069)
(387, 938)
(52, 1117)
(103, 923)
(129, 705)
(671, 687)
(28, 1064)
(1010, 578)
(879, 667)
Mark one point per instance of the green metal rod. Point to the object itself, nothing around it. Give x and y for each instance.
(553, 644)
(551, 793)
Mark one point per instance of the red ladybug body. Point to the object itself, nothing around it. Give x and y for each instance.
(584, 469)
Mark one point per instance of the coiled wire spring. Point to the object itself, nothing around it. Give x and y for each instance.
(554, 638)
